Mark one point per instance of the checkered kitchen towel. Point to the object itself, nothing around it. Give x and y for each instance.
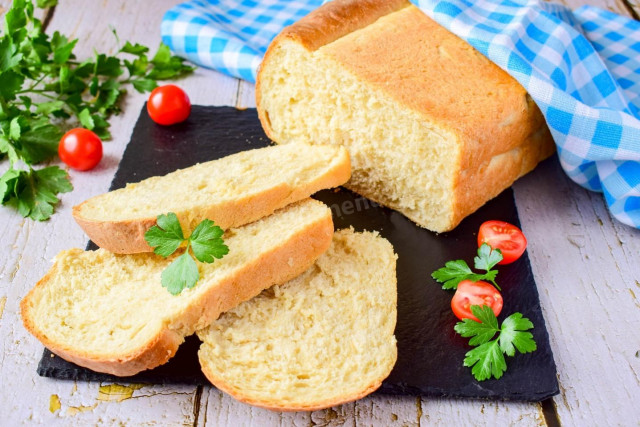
(582, 68)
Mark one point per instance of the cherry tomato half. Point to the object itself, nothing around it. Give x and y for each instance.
(504, 236)
(168, 105)
(81, 149)
(475, 293)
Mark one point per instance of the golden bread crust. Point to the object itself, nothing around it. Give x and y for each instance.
(127, 236)
(355, 285)
(325, 25)
(274, 405)
(408, 58)
(277, 266)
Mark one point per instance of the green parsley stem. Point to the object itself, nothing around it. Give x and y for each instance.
(40, 92)
(496, 285)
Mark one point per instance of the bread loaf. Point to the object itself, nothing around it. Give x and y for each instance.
(231, 191)
(109, 312)
(322, 339)
(434, 129)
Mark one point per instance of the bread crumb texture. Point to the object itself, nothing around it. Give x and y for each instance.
(433, 128)
(100, 305)
(323, 338)
(197, 189)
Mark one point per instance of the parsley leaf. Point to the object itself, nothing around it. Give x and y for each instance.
(134, 49)
(453, 273)
(513, 334)
(8, 184)
(33, 192)
(44, 88)
(39, 143)
(456, 271)
(46, 3)
(487, 359)
(10, 83)
(165, 237)
(487, 257)
(181, 273)
(205, 242)
(481, 332)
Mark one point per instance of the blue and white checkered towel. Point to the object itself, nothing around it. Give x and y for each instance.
(581, 67)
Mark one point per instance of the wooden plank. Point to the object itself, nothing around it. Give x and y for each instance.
(440, 412)
(587, 269)
(616, 6)
(218, 409)
(246, 95)
(634, 5)
(28, 246)
(587, 266)
(588, 281)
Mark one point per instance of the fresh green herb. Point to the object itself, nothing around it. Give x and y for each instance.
(205, 242)
(33, 192)
(45, 89)
(455, 272)
(487, 359)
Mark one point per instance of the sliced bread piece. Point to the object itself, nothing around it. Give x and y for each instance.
(322, 339)
(433, 127)
(231, 191)
(109, 312)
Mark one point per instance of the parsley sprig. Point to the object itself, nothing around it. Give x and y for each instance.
(45, 89)
(456, 271)
(487, 359)
(205, 242)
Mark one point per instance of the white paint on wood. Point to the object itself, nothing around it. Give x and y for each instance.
(443, 412)
(587, 268)
(246, 95)
(616, 6)
(27, 246)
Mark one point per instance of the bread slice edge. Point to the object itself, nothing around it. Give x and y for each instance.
(277, 266)
(328, 403)
(241, 394)
(127, 236)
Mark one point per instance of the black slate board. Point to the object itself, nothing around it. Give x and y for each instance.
(430, 354)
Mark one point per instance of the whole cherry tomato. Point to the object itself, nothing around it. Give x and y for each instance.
(81, 149)
(504, 236)
(168, 105)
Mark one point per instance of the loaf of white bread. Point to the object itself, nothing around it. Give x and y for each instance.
(110, 313)
(322, 339)
(231, 191)
(434, 129)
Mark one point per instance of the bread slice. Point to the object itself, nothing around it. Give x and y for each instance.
(322, 339)
(434, 129)
(109, 312)
(231, 191)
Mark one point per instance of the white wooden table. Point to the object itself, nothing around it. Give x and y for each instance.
(587, 267)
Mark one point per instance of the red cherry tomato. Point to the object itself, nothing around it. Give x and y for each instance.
(504, 236)
(168, 105)
(81, 149)
(475, 293)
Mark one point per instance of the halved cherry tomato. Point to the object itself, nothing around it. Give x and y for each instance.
(504, 236)
(81, 149)
(168, 105)
(475, 293)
